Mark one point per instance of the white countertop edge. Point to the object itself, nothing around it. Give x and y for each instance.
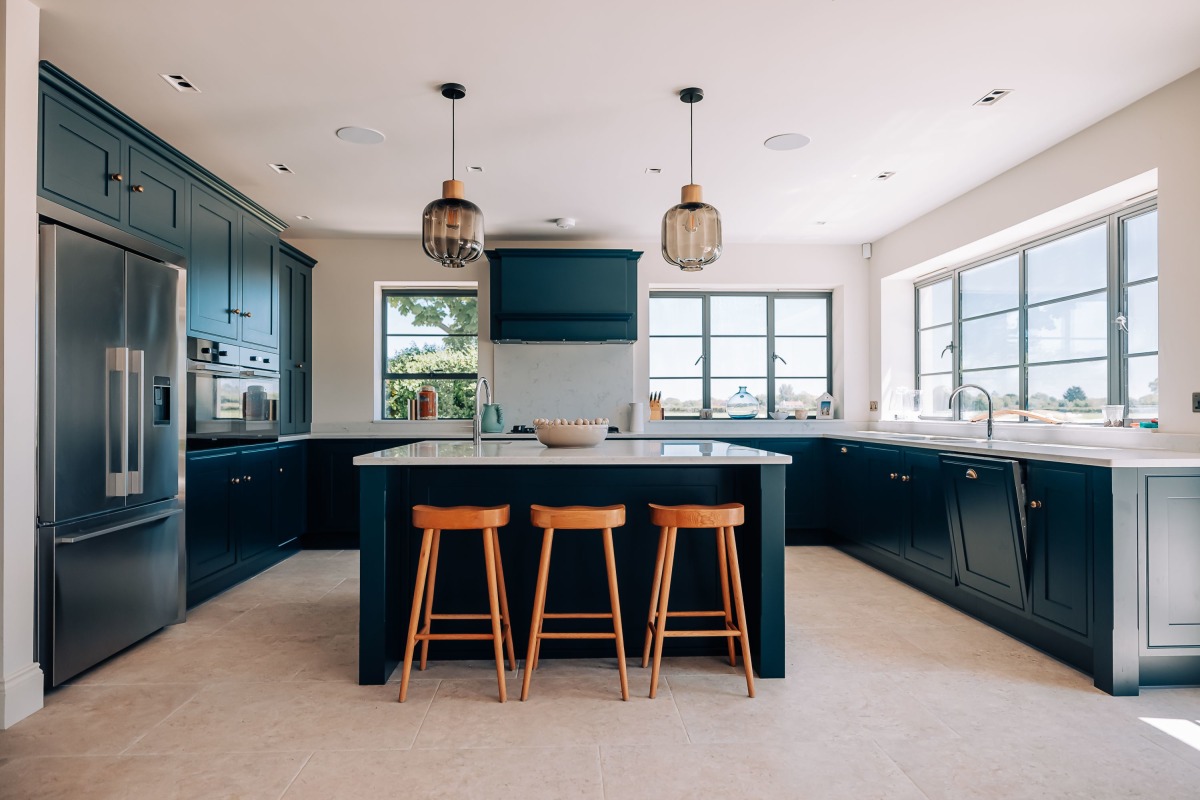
(442, 453)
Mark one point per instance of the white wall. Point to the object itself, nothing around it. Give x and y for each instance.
(551, 380)
(1153, 141)
(20, 677)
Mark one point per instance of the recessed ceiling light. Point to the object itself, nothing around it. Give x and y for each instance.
(883, 176)
(565, 222)
(180, 83)
(991, 97)
(474, 169)
(282, 169)
(357, 135)
(303, 216)
(653, 170)
(820, 222)
(786, 141)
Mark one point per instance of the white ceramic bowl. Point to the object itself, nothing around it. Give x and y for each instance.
(571, 435)
(779, 415)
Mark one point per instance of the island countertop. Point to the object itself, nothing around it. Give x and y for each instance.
(617, 452)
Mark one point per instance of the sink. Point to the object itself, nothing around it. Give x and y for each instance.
(955, 439)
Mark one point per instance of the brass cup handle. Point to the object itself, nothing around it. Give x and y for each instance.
(1035, 503)
(116, 176)
(137, 187)
(905, 478)
(972, 474)
(894, 475)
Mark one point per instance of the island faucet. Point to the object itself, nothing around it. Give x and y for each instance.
(986, 394)
(481, 387)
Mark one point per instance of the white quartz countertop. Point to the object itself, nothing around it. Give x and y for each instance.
(513, 452)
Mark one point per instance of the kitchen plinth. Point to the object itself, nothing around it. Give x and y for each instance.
(520, 473)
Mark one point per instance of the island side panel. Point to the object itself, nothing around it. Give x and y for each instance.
(1115, 666)
(383, 564)
(771, 635)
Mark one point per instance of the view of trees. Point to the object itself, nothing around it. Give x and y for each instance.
(430, 355)
(787, 398)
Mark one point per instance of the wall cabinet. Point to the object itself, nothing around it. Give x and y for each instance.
(241, 514)
(295, 340)
(80, 163)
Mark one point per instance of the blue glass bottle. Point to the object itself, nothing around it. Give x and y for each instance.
(742, 405)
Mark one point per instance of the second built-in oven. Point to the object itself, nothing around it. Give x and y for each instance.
(232, 394)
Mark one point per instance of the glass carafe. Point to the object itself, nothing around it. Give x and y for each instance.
(742, 405)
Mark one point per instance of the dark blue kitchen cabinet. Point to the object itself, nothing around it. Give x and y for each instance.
(1060, 547)
(214, 268)
(291, 492)
(256, 517)
(333, 518)
(211, 540)
(80, 160)
(259, 273)
(805, 505)
(847, 473)
(986, 529)
(1173, 560)
(295, 340)
(927, 536)
(156, 199)
(886, 498)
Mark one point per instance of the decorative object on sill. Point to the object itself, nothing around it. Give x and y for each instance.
(1114, 416)
(779, 415)
(637, 417)
(1018, 412)
(706, 413)
(412, 408)
(742, 405)
(571, 433)
(800, 413)
(656, 411)
(493, 418)
(691, 231)
(825, 405)
(427, 403)
(1151, 424)
(452, 227)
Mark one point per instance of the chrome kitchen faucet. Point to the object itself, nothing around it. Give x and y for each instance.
(987, 395)
(481, 386)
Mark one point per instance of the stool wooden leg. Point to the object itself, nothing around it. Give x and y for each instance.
(735, 573)
(427, 627)
(505, 619)
(655, 587)
(489, 557)
(539, 608)
(661, 628)
(415, 616)
(610, 561)
(723, 567)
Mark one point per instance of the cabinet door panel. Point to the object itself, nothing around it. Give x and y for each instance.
(985, 527)
(846, 473)
(260, 285)
(256, 503)
(886, 498)
(302, 400)
(928, 539)
(1060, 546)
(78, 161)
(211, 545)
(1173, 560)
(213, 277)
(159, 208)
(290, 494)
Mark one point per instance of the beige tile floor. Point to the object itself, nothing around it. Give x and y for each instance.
(889, 694)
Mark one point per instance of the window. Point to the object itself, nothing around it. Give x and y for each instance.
(1060, 326)
(430, 338)
(704, 346)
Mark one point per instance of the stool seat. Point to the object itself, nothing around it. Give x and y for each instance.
(459, 518)
(550, 518)
(722, 519)
(577, 518)
(433, 520)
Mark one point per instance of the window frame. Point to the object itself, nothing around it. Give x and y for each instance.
(385, 375)
(1116, 286)
(705, 336)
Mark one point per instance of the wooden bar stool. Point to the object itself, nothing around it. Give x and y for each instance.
(434, 520)
(670, 519)
(575, 518)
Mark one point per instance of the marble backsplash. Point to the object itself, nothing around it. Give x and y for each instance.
(571, 381)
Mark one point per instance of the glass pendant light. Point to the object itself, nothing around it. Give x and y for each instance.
(691, 231)
(451, 227)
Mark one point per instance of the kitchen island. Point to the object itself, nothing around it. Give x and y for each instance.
(523, 472)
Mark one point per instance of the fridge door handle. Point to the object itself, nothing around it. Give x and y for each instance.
(138, 363)
(120, 526)
(116, 367)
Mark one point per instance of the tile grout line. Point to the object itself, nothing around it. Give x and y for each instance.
(678, 714)
(287, 788)
(600, 769)
(417, 735)
(336, 585)
(151, 729)
(875, 743)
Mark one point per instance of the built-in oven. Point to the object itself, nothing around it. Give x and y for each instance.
(232, 394)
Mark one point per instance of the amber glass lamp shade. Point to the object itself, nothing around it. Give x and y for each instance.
(691, 232)
(452, 228)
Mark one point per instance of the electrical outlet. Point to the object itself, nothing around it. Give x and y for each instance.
(1196, 402)
(875, 403)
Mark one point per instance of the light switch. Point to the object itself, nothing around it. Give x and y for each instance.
(1196, 402)
(875, 405)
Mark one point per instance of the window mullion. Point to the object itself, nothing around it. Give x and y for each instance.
(1022, 332)
(1117, 339)
(770, 353)
(706, 350)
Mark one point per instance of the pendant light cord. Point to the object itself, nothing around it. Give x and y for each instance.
(453, 135)
(691, 143)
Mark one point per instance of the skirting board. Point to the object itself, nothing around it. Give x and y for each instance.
(20, 695)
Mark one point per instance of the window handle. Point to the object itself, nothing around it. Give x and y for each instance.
(1122, 322)
(781, 358)
(949, 347)
(697, 361)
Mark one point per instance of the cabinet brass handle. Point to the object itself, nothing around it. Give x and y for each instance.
(281, 470)
(137, 187)
(247, 314)
(972, 474)
(1035, 503)
(893, 475)
(905, 478)
(116, 176)
(300, 365)
(247, 479)
(844, 450)
(237, 311)
(236, 480)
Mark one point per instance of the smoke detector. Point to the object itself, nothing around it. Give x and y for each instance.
(565, 223)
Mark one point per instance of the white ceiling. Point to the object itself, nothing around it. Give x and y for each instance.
(568, 103)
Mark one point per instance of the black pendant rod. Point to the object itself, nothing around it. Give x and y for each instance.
(453, 134)
(691, 142)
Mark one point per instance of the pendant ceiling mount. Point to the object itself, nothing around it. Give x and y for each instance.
(691, 231)
(452, 226)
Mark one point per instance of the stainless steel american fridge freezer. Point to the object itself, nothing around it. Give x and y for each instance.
(111, 561)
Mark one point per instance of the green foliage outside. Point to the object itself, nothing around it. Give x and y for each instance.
(454, 353)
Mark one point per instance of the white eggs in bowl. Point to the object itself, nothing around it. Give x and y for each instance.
(570, 433)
